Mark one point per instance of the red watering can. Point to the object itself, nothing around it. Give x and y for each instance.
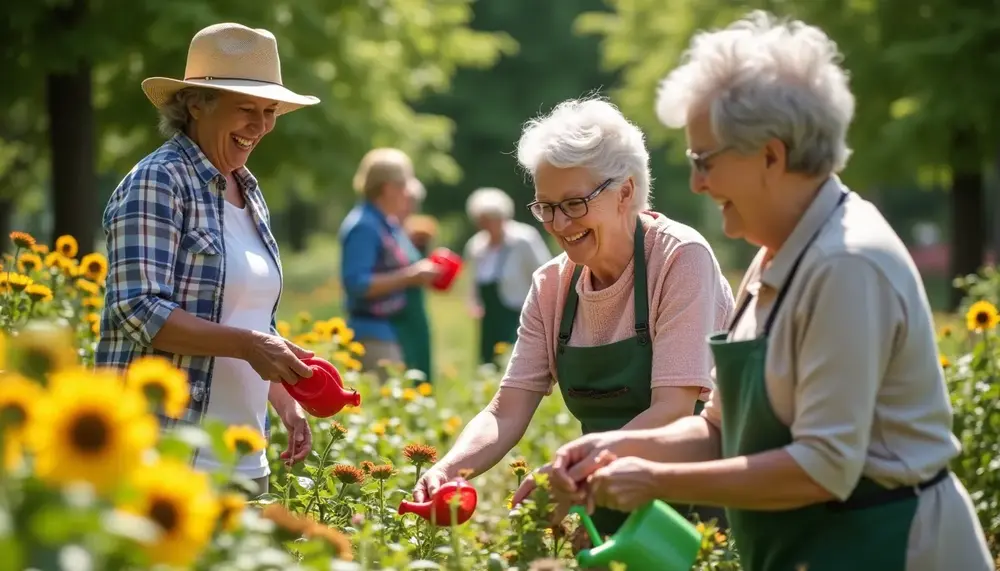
(322, 395)
(450, 263)
(438, 509)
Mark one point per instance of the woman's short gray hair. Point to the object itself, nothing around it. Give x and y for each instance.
(490, 202)
(590, 133)
(174, 115)
(765, 79)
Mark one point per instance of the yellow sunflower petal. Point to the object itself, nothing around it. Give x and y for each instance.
(94, 267)
(67, 246)
(161, 383)
(982, 316)
(89, 428)
(244, 440)
(181, 503)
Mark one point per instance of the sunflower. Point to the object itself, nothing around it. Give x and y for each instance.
(18, 282)
(88, 287)
(945, 362)
(284, 329)
(243, 440)
(39, 292)
(90, 428)
(94, 267)
(425, 389)
(231, 508)
(22, 239)
(67, 246)
(54, 260)
(41, 348)
(357, 348)
(40, 249)
(18, 396)
(92, 302)
(409, 394)
(29, 262)
(182, 505)
(161, 383)
(982, 316)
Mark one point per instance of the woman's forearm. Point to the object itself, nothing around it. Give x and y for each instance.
(669, 404)
(484, 442)
(689, 439)
(185, 334)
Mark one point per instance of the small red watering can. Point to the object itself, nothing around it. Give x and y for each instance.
(438, 509)
(322, 395)
(451, 265)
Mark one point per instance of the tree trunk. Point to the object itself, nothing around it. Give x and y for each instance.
(72, 136)
(6, 219)
(968, 216)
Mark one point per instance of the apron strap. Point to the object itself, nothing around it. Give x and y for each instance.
(640, 302)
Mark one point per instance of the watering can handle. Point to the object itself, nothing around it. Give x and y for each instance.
(581, 511)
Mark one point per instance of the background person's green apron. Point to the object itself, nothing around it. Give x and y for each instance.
(606, 386)
(868, 532)
(499, 323)
(413, 332)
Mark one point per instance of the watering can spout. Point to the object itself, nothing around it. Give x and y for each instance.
(422, 509)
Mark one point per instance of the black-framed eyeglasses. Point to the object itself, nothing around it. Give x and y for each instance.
(700, 161)
(571, 207)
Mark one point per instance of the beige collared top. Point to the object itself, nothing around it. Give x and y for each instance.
(853, 369)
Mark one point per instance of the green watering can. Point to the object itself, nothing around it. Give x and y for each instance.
(653, 538)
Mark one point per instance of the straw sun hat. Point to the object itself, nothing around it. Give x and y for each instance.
(231, 57)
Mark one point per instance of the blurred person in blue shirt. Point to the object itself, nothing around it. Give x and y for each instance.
(383, 274)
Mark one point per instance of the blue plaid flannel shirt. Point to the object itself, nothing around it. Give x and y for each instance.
(166, 251)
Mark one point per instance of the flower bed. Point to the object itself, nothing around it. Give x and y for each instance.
(87, 477)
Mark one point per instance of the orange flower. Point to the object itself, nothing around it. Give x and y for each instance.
(348, 474)
(420, 454)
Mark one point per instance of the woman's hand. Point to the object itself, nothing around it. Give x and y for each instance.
(624, 484)
(577, 460)
(429, 482)
(424, 272)
(299, 434)
(276, 359)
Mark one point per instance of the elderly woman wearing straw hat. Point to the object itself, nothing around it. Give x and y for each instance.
(829, 433)
(383, 274)
(194, 272)
(504, 254)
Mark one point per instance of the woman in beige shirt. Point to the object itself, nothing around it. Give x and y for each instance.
(828, 435)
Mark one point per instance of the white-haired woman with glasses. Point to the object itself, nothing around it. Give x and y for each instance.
(829, 433)
(619, 320)
(503, 255)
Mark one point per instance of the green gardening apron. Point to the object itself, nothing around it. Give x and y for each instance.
(499, 323)
(413, 331)
(606, 386)
(867, 532)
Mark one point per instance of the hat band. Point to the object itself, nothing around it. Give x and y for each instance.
(211, 77)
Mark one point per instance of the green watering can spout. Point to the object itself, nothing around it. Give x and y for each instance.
(602, 553)
(653, 538)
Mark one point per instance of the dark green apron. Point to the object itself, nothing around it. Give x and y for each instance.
(499, 323)
(868, 532)
(413, 331)
(606, 386)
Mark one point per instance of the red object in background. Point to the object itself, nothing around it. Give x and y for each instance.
(451, 264)
(322, 395)
(438, 509)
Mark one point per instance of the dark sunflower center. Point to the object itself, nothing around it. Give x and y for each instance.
(982, 318)
(13, 415)
(164, 513)
(89, 433)
(94, 267)
(154, 390)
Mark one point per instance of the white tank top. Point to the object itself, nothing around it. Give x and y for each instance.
(239, 395)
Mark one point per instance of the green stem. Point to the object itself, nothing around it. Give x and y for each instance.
(381, 509)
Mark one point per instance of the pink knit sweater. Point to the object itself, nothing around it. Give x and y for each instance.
(689, 298)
